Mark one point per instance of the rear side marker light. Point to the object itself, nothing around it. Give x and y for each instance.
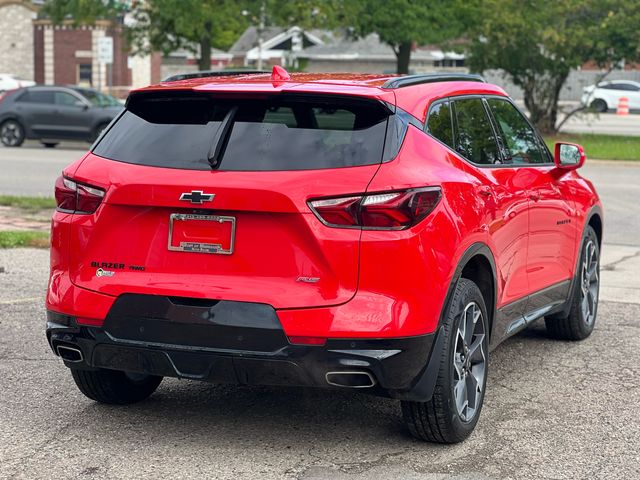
(73, 197)
(319, 341)
(377, 211)
(94, 322)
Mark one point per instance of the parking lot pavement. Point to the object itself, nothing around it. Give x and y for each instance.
(553, 410)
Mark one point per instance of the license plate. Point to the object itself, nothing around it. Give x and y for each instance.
(201, 233)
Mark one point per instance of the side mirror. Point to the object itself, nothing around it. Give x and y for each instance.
(569, 156)
(81, 104)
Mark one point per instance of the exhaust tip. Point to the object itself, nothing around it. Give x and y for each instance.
(353, 379)
(69, 354)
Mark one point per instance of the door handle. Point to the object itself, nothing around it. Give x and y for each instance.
(484, 191)
(535, 196)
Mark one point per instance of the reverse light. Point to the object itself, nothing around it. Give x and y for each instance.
(377, 211)
(76, 197)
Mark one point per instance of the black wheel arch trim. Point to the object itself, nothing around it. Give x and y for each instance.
(423, 387)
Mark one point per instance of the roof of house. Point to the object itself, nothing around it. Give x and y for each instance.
(249, 38)
(369, 47)
(272, 37)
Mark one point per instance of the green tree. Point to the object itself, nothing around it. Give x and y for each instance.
(196, 25)
(84, 11)
(537, 43)
(404, 23)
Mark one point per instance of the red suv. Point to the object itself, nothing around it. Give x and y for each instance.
(330, 230)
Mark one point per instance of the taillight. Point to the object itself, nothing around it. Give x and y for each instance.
(377, 211)
(77, 197)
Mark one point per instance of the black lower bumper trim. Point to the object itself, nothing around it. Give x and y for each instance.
(397, 365)
(241, 343)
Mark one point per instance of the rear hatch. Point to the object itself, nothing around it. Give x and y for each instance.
(206, 196)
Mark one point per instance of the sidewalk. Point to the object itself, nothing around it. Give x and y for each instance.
(15, 219)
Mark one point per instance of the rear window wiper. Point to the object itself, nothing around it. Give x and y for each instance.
(221, 138)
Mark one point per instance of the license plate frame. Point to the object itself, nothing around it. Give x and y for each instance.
(201, 247)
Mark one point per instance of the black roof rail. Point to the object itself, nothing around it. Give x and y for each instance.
(211, 73)
(409, 80)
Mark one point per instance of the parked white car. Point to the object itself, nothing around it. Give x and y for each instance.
(8, 81)
(606, 95)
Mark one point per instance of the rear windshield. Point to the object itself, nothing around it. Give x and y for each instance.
(267, 133)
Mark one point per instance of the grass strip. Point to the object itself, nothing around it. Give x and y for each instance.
(602, 147)
(15, 239)
(29, 204)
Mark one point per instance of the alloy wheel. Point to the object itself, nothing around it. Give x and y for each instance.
(11, 133)
(469, 362)
(589, 282)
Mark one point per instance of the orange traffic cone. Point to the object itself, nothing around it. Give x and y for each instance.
(623, 106)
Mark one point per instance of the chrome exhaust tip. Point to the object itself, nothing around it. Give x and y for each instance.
(350, 379)
(69, 354)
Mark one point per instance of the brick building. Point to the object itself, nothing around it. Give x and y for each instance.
(68, 54)
(35, 49)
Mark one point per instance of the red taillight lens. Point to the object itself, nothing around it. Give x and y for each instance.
(338, 211)
(383, 211)
(76, 197)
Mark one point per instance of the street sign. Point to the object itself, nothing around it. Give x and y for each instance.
(105, 50)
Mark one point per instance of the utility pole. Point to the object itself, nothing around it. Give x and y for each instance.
(263, 13)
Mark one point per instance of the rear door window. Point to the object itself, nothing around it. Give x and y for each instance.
(474, 137)
(273, 133)
(37, 96)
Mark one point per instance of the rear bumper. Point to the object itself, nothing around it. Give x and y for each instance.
(228, 351)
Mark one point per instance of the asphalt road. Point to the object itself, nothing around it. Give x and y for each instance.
(553, 410)
(32, 170)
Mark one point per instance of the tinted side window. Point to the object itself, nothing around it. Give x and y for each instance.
(520, 140)
(474, 137)
(37, 96)
(439, 123)
(64, 98)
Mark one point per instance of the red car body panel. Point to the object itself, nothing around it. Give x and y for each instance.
(372, 284)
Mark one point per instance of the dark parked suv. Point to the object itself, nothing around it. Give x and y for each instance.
(51, 114)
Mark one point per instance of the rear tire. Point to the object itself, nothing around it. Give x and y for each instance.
(579, 323)
(11, 133)
(114, 387)
(599, 105)
(453, 411)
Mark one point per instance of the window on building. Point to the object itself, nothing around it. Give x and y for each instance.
(85, 73)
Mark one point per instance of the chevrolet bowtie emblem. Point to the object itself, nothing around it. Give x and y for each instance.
(197, 196)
